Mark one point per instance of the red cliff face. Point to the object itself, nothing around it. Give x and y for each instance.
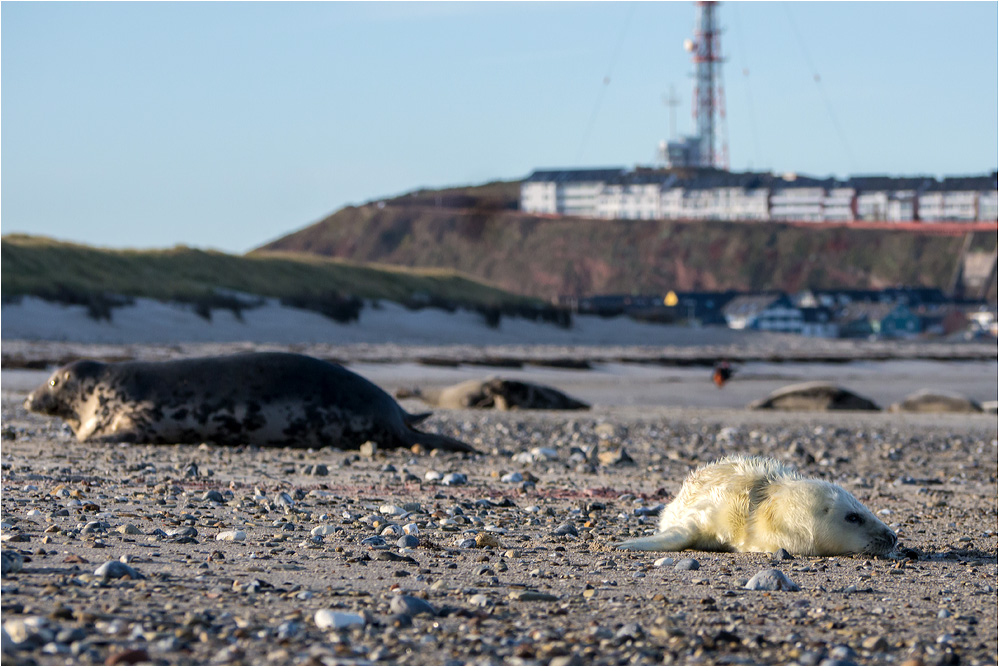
(544, 257)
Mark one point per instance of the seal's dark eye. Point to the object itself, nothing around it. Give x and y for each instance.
(853, 517)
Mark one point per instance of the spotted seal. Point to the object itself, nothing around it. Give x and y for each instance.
(936, 401)
(819, 396)
(498, 393)
(265, 399)
(744, 503)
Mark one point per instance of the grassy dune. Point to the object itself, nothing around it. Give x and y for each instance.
(48, 268)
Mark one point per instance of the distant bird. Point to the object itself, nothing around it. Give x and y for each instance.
(723, 373)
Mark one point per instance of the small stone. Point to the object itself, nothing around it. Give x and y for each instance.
(374, 541)
(231, 536)
(369, 449)
(93, 527)
(408, 542)
(411, 529)
(631, 631)
(455, 479)
(483, 540)
(392, 510)
(186, 531)
(687, 564)
(771, 580)
(411, 606)
(479, 600)
(663, 562)
(128, 529)
(566, 529)
(213, 496)
(114, 569)
(842, 654)
(876, 643)
(324, 530)
(10, 562)
(615, 458)
(532, 596)
(512, 478)
(781, 554)
(467, 543)
(327, 619)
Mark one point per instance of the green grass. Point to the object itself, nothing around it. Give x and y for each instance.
(37, 266)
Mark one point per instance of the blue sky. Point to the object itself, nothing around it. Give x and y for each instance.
(226, 125)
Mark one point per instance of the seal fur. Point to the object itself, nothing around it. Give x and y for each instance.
(265, 399)
(758, 504)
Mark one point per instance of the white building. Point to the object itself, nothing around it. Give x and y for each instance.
(566, 191)
(708, 194)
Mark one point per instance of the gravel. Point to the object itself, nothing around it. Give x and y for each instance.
(500, 572)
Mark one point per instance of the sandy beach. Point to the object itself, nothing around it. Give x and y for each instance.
(282, 556)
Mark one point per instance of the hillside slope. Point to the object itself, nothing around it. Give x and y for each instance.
(38, 266)
(544, 257)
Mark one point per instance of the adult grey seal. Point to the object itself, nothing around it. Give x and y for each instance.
(936, 401)
(265, 399)
(495, 393)
(744, 503)
(818, 396)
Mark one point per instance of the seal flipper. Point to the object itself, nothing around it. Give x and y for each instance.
(411, 420)
(674, 539)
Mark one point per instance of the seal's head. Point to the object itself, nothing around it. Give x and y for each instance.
(827, 520)
(65, 390)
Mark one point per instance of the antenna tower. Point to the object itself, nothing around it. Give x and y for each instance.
(709, 96)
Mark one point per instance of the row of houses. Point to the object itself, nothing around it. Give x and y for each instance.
(891, 313)
(701, 194)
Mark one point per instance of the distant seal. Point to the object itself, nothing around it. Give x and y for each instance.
(758, 504)
(813, 396)
(936, 401)
(265, 399)
(495, 393)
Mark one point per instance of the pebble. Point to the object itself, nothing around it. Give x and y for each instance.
(512, 478)
(781, 554)
(213, 496)
(532, 596)
(483, 540)
(326, 619)
(10, 562)
(231, 536)
(687, 564)
(324, 530)
(411, 606)
(566, 529)
(374, 541)
(663, 562)
(771, 580)
(411, 529)
(455, 479)
(408, 541)
(128, 529)
(114, 569)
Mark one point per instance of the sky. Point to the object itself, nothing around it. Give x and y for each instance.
(227, 125)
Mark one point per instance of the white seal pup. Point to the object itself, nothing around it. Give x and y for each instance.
(744, 503)
(269, 399)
